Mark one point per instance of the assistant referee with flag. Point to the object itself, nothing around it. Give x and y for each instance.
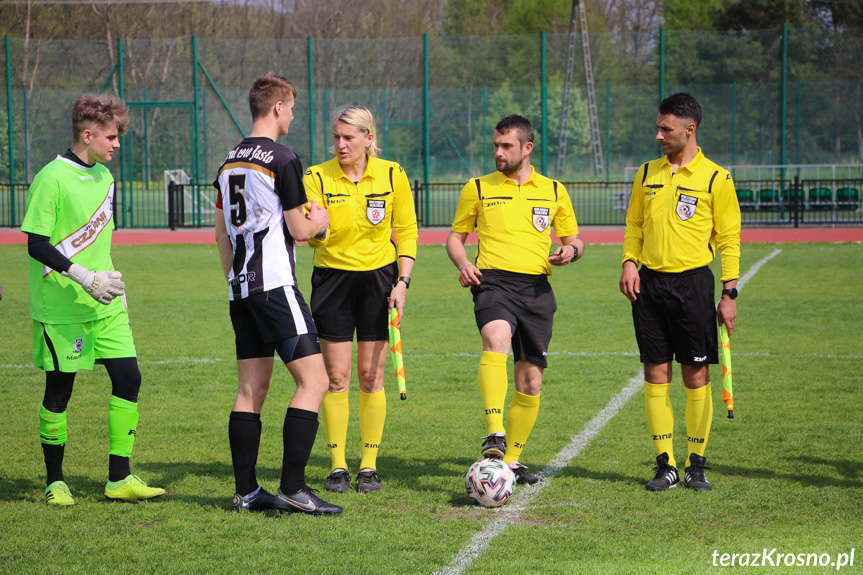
(360, 275)
(513, 211)
(683, 207)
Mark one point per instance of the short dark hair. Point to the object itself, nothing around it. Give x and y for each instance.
(682, 105)
(266, 91)
(519, 123)
(96, 112)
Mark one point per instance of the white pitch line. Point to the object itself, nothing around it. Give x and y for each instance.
(754, 269)
(180, 361)
(479, 542)
(512, 512)
(193, 360)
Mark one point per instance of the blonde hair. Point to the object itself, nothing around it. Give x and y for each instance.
(362, 119)
(96, 112)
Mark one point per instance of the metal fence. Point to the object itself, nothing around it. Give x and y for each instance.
(775, 96)
(781, 202)
(789, 203)
(800, 202)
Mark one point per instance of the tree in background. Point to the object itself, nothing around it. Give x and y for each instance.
(763, 14)
(691, 14)
(838, 14)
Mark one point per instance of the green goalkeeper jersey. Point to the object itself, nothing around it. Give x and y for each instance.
(73, 205)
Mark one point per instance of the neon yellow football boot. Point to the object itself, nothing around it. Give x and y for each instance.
(131, 489)
(58, 494)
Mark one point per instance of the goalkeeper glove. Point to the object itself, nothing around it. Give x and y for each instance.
(102, 286)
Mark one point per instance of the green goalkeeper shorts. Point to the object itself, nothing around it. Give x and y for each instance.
(74, 346)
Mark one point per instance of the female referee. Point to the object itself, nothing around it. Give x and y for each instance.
(359, 275)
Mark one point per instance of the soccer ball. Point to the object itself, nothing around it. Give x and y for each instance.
(490, 482)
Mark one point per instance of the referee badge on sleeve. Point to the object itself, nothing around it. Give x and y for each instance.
(686, 206)
(376, 210)
(540, 219)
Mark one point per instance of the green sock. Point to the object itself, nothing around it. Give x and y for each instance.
(52, 427)
(122, 421)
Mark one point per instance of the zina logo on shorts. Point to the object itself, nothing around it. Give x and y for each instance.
(79, 345)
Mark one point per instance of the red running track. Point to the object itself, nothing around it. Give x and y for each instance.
(438, 236)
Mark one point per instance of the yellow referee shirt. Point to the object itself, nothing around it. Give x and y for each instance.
(514, 222)
(363, 215)
(677, 220)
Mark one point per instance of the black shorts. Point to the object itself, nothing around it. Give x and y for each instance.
(526, 301)
(345, 300)
(270, 321)
(675, 317)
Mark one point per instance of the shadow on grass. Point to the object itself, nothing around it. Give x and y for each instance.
(411, 474)
(574, 472)
(844, 467)
(849, 470)
(414, 474)
(19, 489)
(166, 474)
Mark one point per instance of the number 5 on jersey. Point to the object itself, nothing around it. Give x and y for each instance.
(236, 186)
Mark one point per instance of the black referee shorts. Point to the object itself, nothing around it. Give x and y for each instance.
(271, 321)
(344, 301)
(675, 317)
(527, 302)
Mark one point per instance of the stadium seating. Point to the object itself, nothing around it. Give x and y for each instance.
(768, 200)
(820, 199)
(790, 195)
(746, 199)
(847, 199)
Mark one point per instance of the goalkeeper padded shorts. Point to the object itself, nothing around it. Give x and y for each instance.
(74, 346)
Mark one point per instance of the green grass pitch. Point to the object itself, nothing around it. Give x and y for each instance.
(787, 471)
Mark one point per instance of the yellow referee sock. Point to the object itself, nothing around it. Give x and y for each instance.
(699, 416)
(334, 410)
(519, 422)
(492, 387)
(373, 413)
(660, 418)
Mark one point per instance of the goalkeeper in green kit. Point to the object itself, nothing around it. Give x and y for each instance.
(77, 299)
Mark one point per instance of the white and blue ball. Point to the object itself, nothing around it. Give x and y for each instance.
(490, 482)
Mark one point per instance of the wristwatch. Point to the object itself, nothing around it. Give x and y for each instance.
(730, 292)
(406, 280)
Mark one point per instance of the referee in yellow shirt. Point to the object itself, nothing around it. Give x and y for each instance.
(683, 207)
(359, 276)
(513, 211)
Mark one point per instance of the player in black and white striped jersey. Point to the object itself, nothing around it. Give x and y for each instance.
(260, 212)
